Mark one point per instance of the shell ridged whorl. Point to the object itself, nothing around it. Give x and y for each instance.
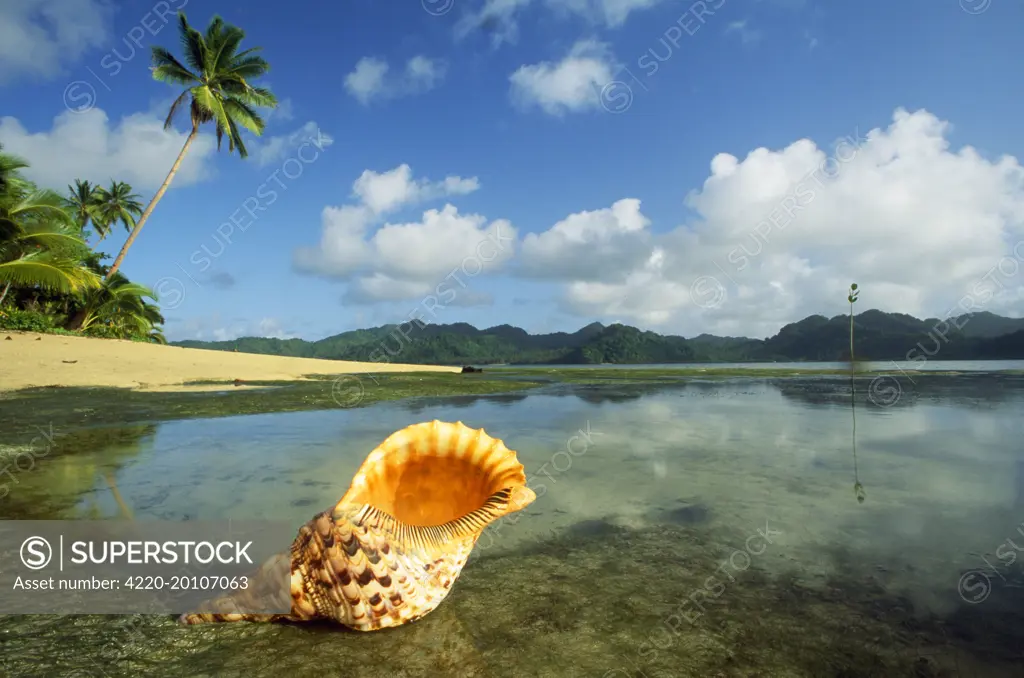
(391, 548)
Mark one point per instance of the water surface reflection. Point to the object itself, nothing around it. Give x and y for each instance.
(691, 530)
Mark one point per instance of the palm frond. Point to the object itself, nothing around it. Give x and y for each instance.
(248, 68)
(244, 115)
(166, 68)
(10, 163)
(50, 272)
(81, 202)
(214, 30)
(217, 76)
(119, 304)
(223, 45)
(117, 204)
(43, 203)
(251, 96)
(211, 104)
(152, 313)
(175, 107)
(192, 44)
(248, 52)
(236, 140)
(12, 183)
(49, 235)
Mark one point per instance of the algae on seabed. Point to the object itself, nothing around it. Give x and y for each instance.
(609, 603)
(66, 408)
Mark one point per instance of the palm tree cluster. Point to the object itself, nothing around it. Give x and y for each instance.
(103, 208)
(48, 273)
(50, 279)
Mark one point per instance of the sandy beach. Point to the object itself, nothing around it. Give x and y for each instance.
(28, 360)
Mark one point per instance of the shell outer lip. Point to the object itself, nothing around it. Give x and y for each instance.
(523, 496)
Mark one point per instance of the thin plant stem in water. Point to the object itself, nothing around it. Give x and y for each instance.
(852, 297)
(858, 489)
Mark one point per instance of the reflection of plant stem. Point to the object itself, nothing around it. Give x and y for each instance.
(125, 511)
(858, 489)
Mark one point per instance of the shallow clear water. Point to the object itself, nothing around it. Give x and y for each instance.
(646, 551)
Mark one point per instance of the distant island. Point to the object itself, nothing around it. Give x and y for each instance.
(879, 336)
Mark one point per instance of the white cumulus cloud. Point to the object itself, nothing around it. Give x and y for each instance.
(923, 229)
(571, 85)
(387, 191)
(267, 150)
(599, 245)
(610, 13)
(88, 145)
(284, 112)
(40, 38)
(404, 260)
(371, 78)
(747, 35)
(500, 18)
(215, 327)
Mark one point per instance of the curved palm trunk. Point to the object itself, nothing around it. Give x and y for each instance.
(152, 203)
(76, 322)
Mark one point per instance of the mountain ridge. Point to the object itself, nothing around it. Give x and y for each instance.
(878, 336)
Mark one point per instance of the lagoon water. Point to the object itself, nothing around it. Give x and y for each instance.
(708, 528)
(867, 366)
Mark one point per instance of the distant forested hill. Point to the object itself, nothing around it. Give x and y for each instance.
(879, 336)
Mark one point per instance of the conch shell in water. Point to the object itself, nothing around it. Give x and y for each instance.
(390, 550)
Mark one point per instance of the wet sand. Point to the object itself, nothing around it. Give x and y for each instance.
(28, 359)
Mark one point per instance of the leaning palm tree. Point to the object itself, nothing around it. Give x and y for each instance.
(113, 205)
(218, 90)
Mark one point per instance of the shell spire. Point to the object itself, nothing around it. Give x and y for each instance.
(390, 550)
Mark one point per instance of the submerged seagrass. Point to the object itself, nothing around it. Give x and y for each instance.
(391, 548)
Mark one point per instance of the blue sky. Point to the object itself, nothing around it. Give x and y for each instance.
(608, 184)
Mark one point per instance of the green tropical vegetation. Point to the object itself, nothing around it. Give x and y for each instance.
(102, 208)
(879, 336)
(39, 245)
(114, 205)
(51, 280)
(84, 205)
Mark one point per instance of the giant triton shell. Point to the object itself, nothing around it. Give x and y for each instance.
(390, 550)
